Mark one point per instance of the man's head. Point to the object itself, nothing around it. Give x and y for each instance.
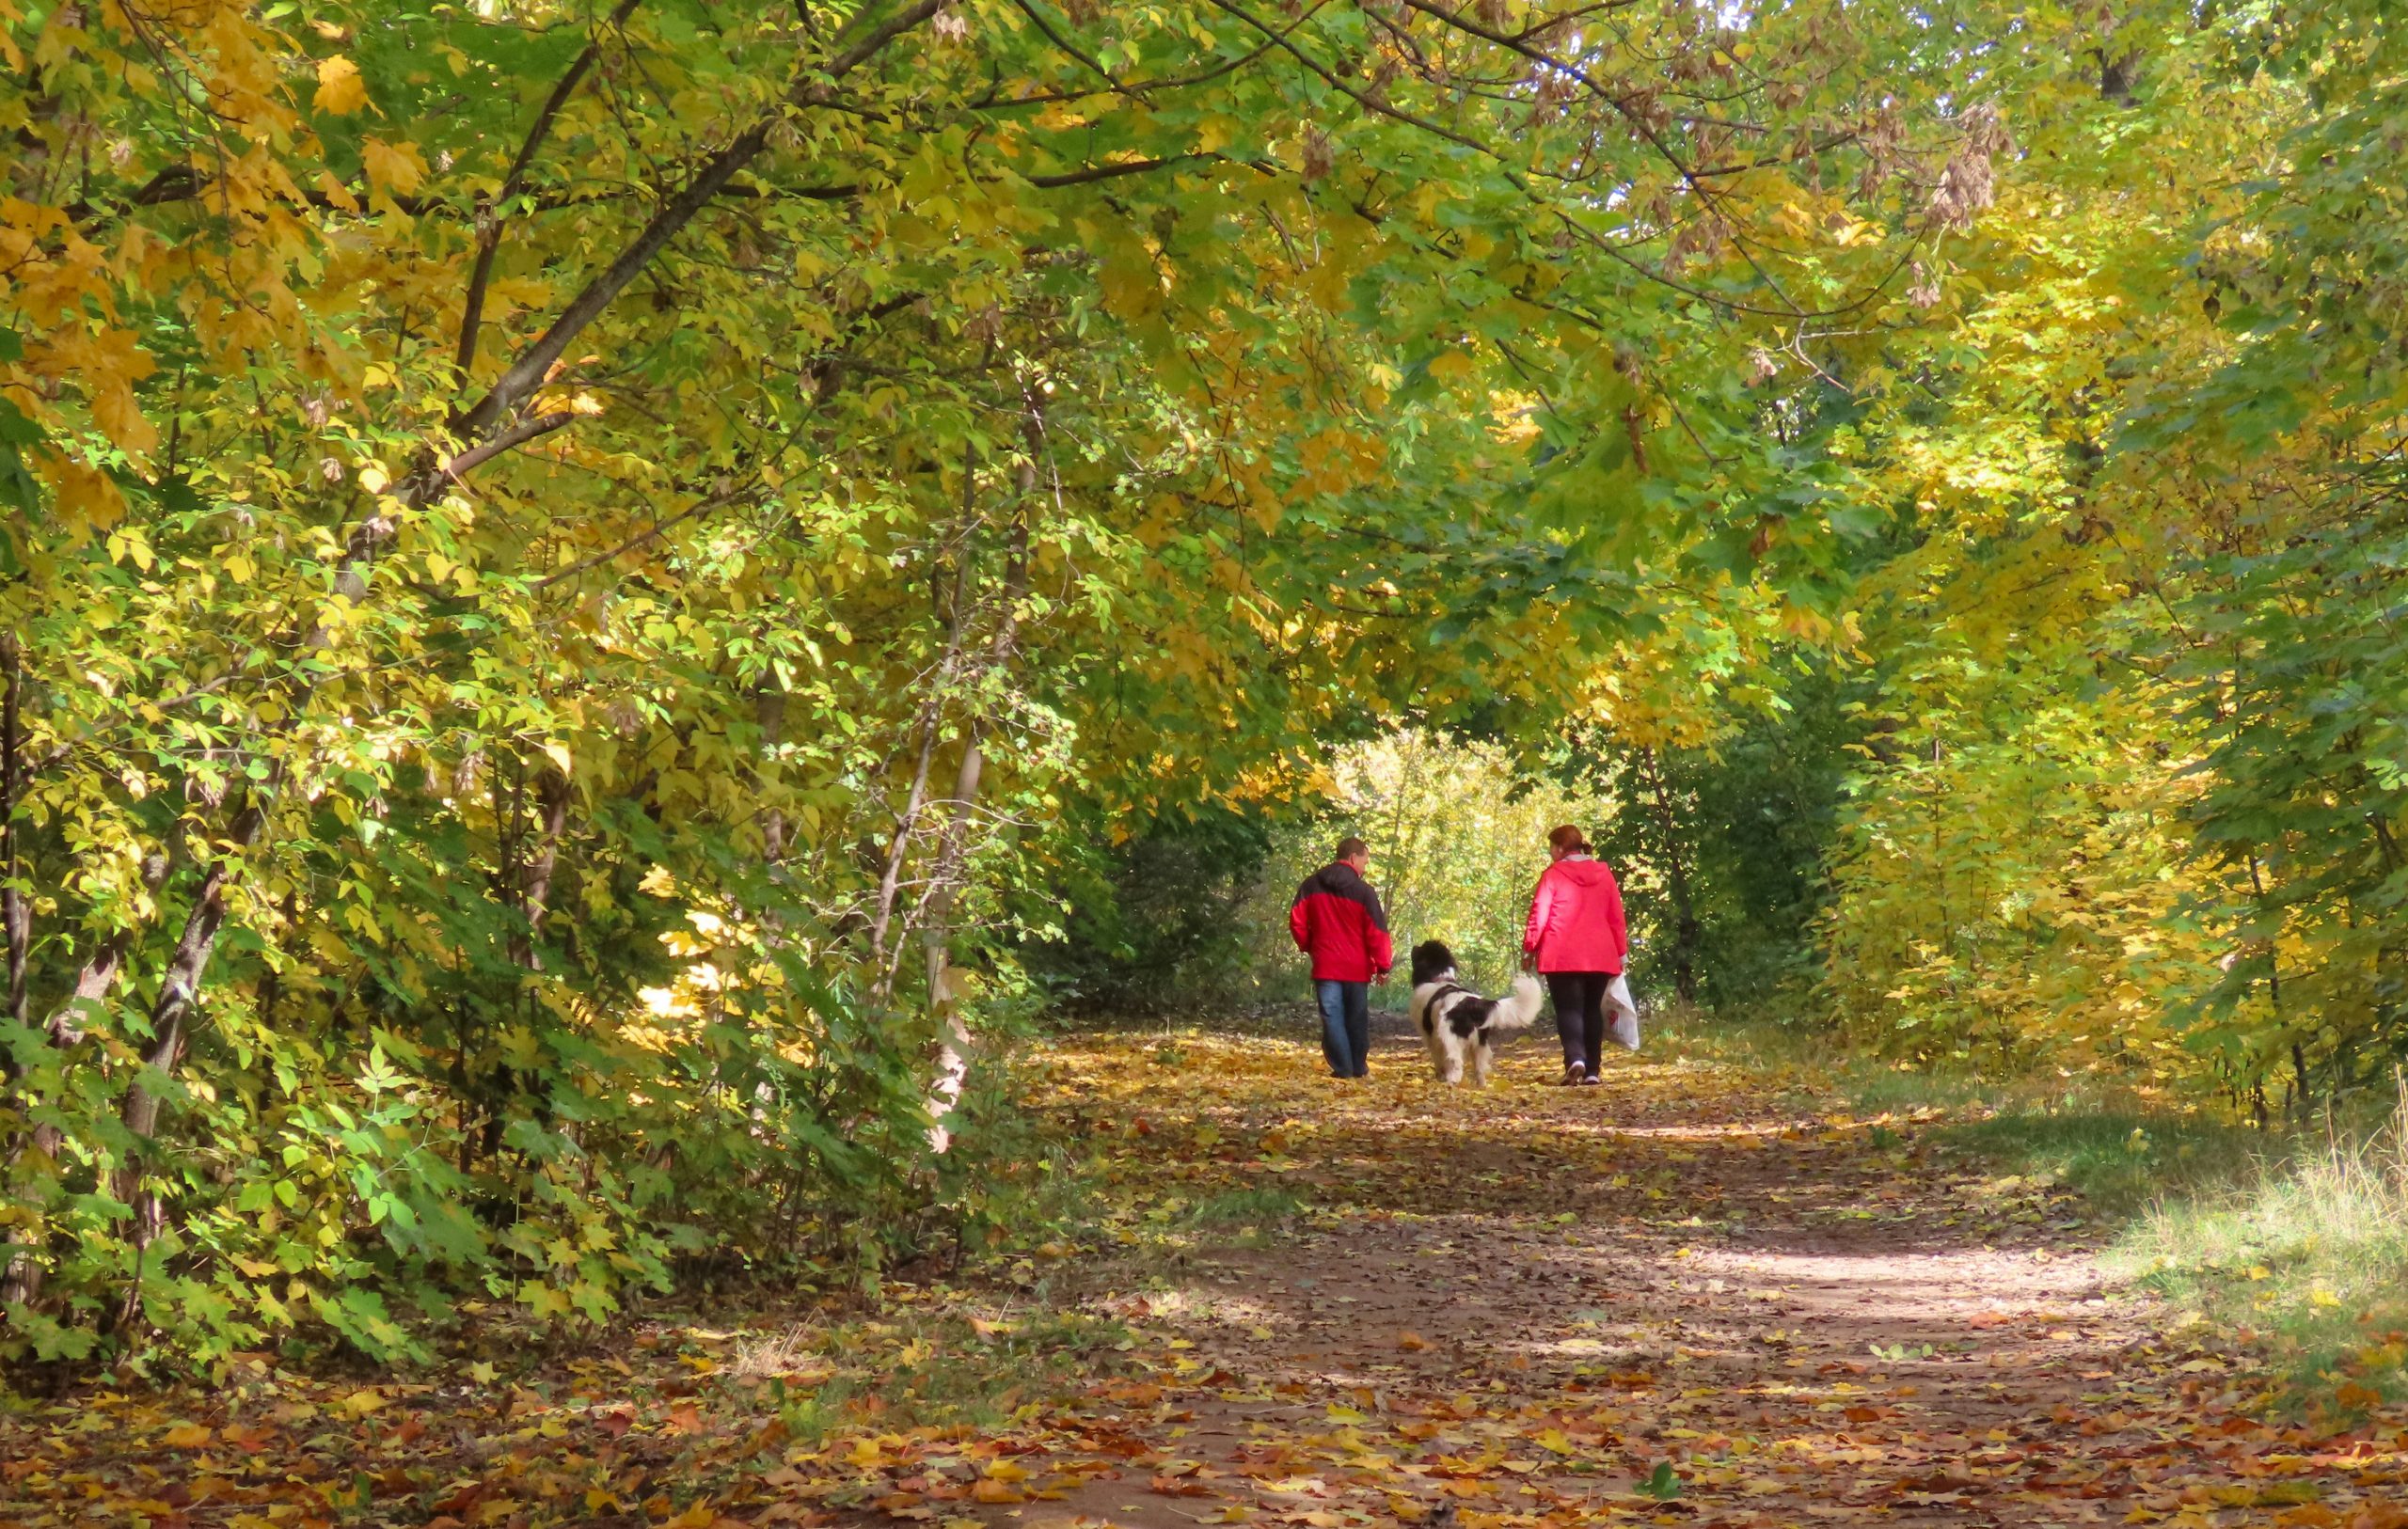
(1352, 851)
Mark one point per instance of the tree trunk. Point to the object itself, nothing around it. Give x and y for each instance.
(769, 714)
(93, 981)
(953, 1038)
(533, 889)
(170, 1017)
(883, 963)
(16, 912)
(2274, 978)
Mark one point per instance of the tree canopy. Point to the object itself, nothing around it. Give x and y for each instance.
(578, 579)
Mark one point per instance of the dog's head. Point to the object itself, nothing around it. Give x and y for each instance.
(1431, 962)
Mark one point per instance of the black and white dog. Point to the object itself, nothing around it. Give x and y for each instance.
(1459, 1023)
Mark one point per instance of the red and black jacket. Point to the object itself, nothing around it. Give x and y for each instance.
(1338, 920)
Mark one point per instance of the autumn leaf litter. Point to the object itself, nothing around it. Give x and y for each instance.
(1301, 1302)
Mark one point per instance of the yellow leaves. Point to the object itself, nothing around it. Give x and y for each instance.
(87, 494)
(1001, 1483)
(864, 1454)
(2357, 1397)
(106, 362)
(130, 546)
(340, 87)
(186, 1435)
(336, 192)
(1131, 286)
(1453, 365)
(120, 417)
(394, 169)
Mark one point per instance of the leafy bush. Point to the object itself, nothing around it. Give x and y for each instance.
(1152, 923)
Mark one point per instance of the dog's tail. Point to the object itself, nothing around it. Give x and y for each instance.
(1516, 1013)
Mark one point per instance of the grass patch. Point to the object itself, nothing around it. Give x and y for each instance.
(949, 1368)
(1243, 1218)
(2123, 1159)
(2307, 1253)
(1809, 1063)
(1256, 1207)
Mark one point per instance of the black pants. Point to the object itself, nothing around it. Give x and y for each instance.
(1581, 1015)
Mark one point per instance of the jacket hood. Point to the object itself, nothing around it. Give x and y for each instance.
(1337, 876)
(1582, 872)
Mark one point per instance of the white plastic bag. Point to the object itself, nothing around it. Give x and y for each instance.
(1624, 1027)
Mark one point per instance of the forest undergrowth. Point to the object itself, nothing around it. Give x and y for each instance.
(1730, 1288)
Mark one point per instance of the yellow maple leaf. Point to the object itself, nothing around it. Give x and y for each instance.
(394, 167)
(339, 88)
(114, 410)
(84, 493)
(1449, 364)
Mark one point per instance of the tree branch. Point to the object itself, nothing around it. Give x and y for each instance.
(489, 230)
(536, 362)
(531, 429)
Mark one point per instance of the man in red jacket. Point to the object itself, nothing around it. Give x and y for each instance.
(1338, 920)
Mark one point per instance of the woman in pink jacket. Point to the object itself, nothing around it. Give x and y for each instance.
(1576, 939)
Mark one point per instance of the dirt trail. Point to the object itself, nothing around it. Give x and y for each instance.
(1530, 1302)
(1673, 1299)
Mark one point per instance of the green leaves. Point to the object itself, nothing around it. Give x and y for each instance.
(18, 435)
(578, 557)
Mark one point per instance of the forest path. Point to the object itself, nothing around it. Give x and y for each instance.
(1279, 1300)
(1548, 1305)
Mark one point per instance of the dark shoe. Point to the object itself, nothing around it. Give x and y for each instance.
(1592, 1080)
(1574, 1074)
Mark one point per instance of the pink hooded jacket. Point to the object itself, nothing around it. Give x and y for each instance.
(1575, 919)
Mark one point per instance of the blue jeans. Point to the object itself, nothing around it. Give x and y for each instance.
(1345, 1026)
